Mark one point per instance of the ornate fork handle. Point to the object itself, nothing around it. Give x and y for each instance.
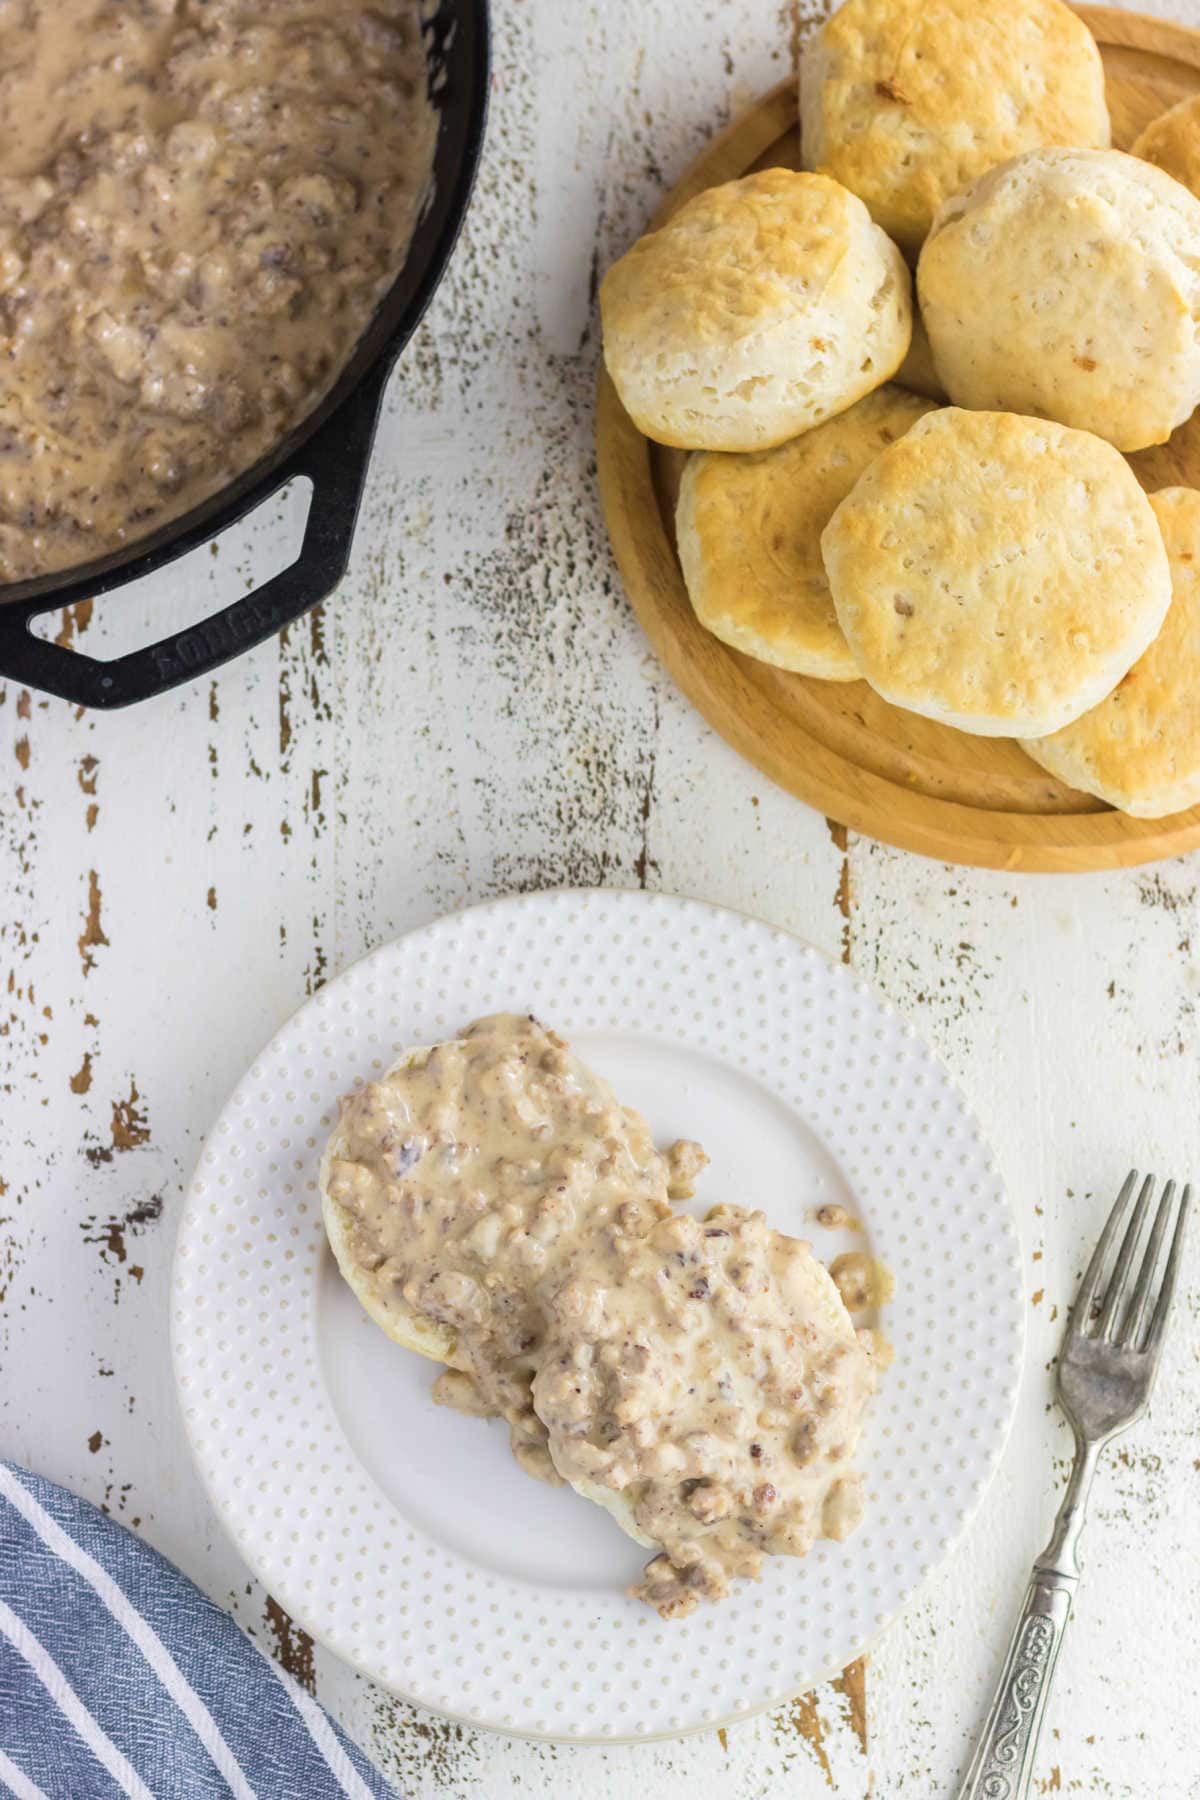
(1106, 1370)
(1003, 1762)
(1002, 1765)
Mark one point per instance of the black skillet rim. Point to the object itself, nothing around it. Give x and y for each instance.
(355, 397)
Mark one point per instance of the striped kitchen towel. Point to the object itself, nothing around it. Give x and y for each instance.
(117, 1675)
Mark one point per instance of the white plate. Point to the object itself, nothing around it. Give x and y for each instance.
(404, 1536)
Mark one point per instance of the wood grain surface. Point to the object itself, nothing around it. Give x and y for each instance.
(874, 767)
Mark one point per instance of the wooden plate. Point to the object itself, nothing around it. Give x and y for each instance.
(837, 745)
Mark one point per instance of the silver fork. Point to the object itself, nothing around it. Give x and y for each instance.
(1106, 1370)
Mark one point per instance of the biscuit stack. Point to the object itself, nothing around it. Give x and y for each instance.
(993, 563)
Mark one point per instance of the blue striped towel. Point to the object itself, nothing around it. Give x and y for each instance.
(117, 1676)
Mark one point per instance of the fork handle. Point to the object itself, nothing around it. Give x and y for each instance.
(1003, 1762)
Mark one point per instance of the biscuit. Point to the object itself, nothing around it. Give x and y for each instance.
(763, 307)
(907, 102)
(1140, 748)
(749, 535)
(391, 1312)
(997, 573)
(1066, 284)
(917, 372)
(1172, 142)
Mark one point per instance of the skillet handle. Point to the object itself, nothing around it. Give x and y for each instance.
(335, 460)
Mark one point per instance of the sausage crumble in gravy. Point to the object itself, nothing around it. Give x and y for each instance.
(708, 1373)
(475, 1180)
(201, 204)
(702, 1377)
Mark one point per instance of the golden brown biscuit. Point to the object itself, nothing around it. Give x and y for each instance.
(1172, 142)
(749, 534)
(917, 372)
(908, 101)
(997, 573)
(1066, 283)
(1140, 748)
(761, 308)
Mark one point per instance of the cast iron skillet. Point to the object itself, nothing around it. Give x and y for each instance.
(331, 446)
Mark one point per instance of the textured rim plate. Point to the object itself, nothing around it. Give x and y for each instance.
(403, 1537)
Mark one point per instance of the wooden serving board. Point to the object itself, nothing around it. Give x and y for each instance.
(838, 746)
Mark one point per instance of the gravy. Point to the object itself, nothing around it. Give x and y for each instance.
(700, 1377)
(201, 204)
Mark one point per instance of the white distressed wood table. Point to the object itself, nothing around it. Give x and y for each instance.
(474, 712)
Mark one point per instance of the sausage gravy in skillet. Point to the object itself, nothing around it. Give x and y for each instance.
(201, 204)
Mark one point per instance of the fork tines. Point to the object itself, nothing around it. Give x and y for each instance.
(1115, 1309)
